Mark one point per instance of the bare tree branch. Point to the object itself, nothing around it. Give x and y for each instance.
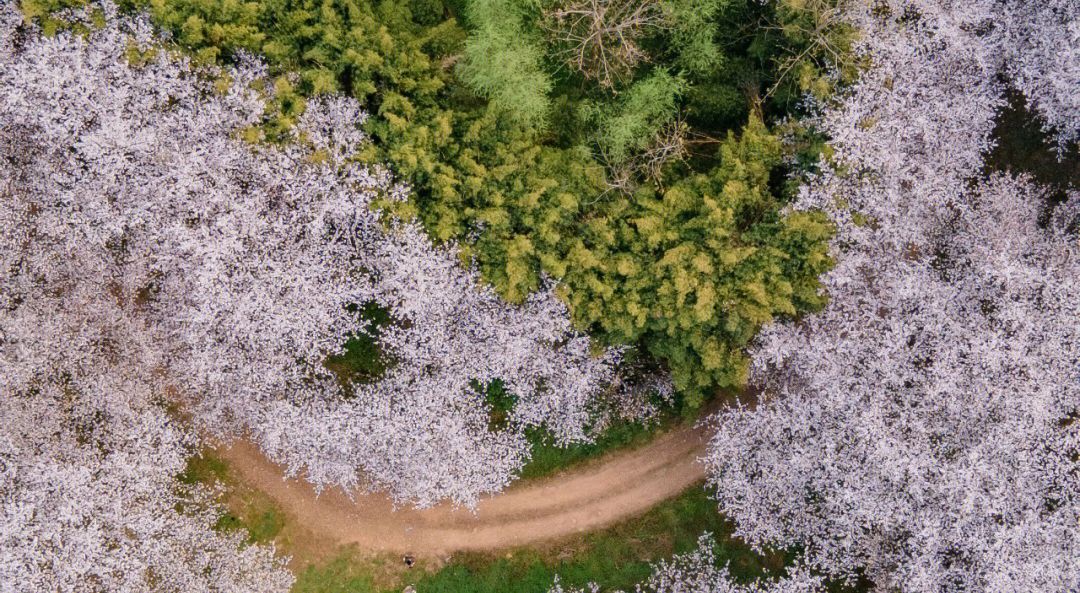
(600, 38)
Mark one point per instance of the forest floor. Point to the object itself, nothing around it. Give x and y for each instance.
(591, 496)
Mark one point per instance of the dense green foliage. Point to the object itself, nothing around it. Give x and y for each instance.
(692, 271)
(631, 122)
(519, 85)
(684, 252)
(651, 190)
(731, 55)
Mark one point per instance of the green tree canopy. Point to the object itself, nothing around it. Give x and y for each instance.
(693, 271)
(644, 193)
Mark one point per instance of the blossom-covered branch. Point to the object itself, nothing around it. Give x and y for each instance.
(922, 429)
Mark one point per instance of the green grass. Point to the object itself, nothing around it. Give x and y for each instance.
(262, 525)
(615, 558)
(362, 360)
(246, 509)
(204, 469)
(342, 575)
(549, 458)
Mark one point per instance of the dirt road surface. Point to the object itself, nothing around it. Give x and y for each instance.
(601, 493)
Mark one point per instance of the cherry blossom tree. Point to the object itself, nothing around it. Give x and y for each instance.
(699, 572)
(137, 225)
(88, 454)
(922, 430)
(1041, 40)
(421, 431)
(89, 497)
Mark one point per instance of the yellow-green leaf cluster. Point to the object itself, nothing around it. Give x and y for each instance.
(693, 272)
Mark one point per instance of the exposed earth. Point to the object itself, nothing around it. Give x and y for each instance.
(596, 495)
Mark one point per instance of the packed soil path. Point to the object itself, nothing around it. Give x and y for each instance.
(614, 487)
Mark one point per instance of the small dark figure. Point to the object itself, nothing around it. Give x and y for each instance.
(409, 560)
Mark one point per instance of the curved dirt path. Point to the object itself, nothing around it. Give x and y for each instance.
(599, 494)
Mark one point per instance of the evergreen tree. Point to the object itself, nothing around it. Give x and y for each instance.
(693, 271)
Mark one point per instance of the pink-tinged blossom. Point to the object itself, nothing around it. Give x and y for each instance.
(699, 572)
(89, 497)
(145, 245)
(922, 429)
(1040, 40)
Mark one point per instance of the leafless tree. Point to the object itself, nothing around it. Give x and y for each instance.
(600, 38)
(669, 144)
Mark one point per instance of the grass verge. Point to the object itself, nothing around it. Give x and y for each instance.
(245, 508)
(616, 557)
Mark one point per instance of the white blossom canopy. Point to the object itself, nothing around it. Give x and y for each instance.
(88, 453)
(154, 266)
(698, 571)
(922, 429)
